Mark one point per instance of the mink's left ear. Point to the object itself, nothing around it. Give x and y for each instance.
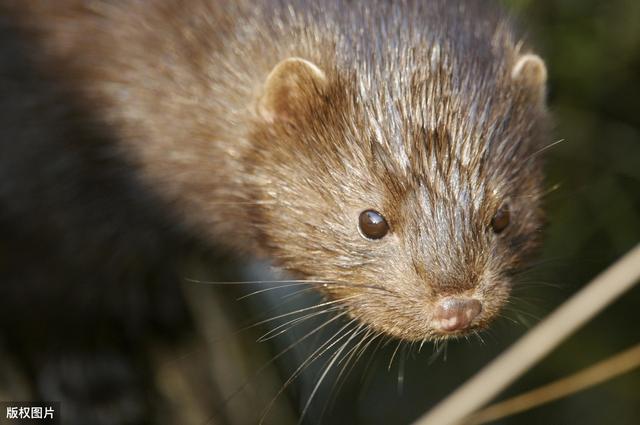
(531, 71)
(291, 86)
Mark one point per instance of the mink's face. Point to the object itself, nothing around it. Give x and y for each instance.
(407, 259)
(418, 238)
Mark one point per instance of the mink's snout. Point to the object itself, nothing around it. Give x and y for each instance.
(456, 314)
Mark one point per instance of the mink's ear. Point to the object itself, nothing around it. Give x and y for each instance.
(531, 71)
(290, 86)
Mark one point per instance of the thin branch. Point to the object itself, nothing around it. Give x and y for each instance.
(586, 378)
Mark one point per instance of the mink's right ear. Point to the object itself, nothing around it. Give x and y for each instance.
(290, 87)
(531, 71)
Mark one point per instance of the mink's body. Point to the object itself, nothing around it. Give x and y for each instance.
(268, 128)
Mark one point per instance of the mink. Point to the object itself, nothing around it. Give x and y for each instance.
(386, 152)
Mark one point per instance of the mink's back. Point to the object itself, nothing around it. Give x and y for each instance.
(68, 202)
(87, 256)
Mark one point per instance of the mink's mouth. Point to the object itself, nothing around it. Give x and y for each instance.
(414, 314)
(416, 318)
(423, 326)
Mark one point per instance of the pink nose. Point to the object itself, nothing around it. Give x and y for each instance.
(455, 314)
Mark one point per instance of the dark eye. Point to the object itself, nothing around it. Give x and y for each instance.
(372, 224)
(500, 220)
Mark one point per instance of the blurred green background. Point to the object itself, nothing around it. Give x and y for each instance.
(593, 53)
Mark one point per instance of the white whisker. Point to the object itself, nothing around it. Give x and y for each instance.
(312, 358)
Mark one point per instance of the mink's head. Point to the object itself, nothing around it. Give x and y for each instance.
(411, 192)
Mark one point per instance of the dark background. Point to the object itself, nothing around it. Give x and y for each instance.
(214, 373)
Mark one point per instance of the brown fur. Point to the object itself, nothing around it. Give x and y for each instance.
(420, 118)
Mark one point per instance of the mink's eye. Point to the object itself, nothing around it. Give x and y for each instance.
(372, 224)
(500, 220)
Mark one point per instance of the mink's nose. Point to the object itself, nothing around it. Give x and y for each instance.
(455, 314)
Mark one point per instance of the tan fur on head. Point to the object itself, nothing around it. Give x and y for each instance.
(287, 87)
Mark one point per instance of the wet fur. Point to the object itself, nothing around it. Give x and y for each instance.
(420, 120)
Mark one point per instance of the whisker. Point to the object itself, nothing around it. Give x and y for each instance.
(253, 282)
(520, 312)
(328, 367)
(293, 322)
(547, 147)
(551, 189)
(367, 345)
(298, 292)
(237, 331)
(479, 337)
(366, 376)
(354, 349)
(439, 347)
(510, 319)
(394, 354)
(421, 344)
(263, 290)
(335, 391)
(312, 358)
(293, 282)
(357, 351)
(273, 359)
(313, 307)
(224, 203)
